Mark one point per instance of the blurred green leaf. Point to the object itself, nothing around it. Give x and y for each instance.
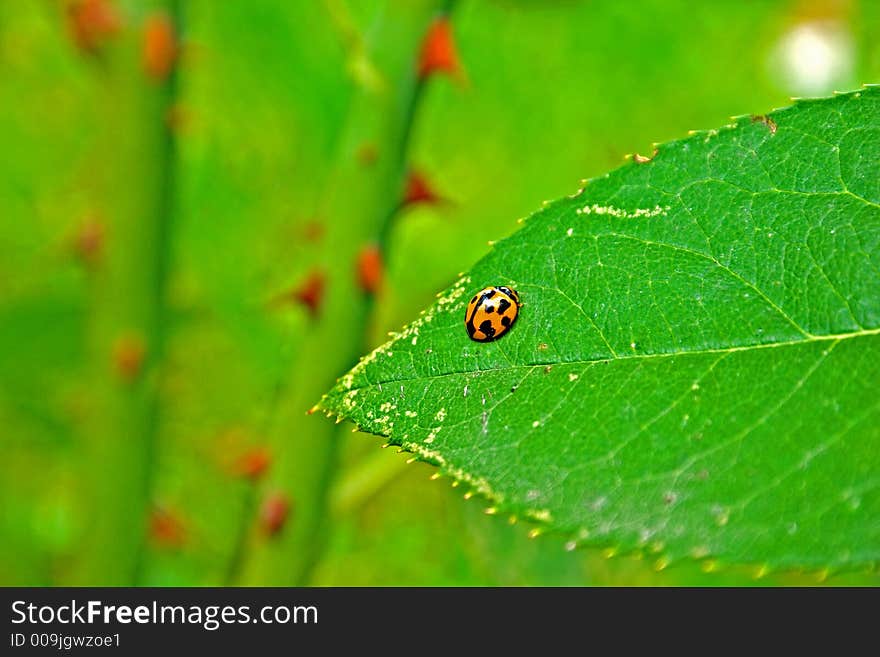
(692, 368)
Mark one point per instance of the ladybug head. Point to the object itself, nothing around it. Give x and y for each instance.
(509, 292)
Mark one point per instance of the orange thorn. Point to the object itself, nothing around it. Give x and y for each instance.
(166, 530)
(128, 356)
(160, 47)
(273, 513)
(369, 268)
(439, 54)
(92, 23)
(253, 463)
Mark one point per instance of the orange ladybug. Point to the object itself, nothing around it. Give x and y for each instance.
(491, 313)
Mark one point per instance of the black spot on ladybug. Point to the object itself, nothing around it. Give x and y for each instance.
(505, 321)
(487, 328)
(491, 309)
(490, 294)
(474, 300)
(503, 305)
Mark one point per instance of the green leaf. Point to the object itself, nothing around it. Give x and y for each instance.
(693, 371)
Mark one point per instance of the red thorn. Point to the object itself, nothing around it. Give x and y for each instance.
(166, 530)
(128, 356)
(419, 190)
(438, 54)
(253, 464)
(88, 242)
(369, 269)
(311, 292)
(160, 47)
(92, 23)
(273, 513)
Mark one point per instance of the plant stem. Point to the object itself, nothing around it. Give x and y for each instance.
(308, 447)
(377, 470)
(129, 312)
(366, 478)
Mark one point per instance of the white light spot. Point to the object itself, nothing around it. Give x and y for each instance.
(572, 377)
(815, 57)
(536, 424)
(569, 232)
(441, 415)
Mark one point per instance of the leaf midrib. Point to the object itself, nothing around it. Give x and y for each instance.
(672, 354)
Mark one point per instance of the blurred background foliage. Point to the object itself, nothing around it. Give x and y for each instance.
(208, 210)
